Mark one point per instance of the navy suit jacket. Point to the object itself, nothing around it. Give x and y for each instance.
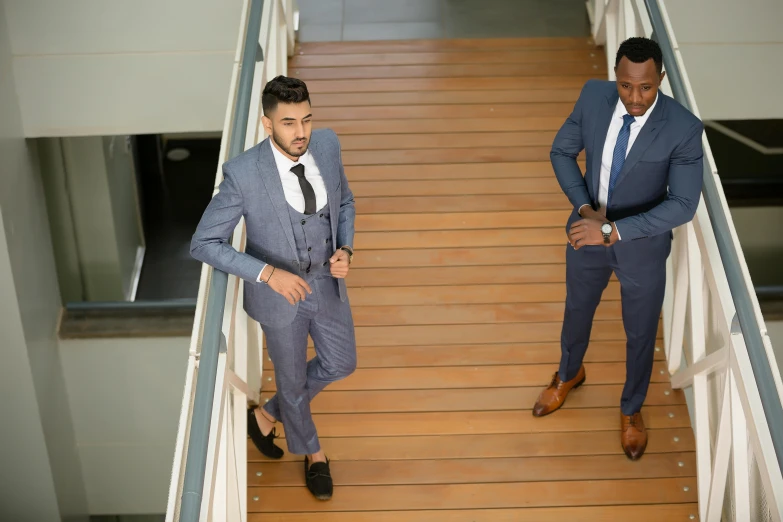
(251, 188)
(659, 186)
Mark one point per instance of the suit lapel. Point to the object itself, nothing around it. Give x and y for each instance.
(267, 167)
(599, 139)
(330, 178)
(643, 141)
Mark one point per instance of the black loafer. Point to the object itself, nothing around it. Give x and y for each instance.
(319, 479)
(264, 443)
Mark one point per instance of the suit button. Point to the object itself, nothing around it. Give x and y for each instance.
(328, 240)
(309, 249)
(303, 222)
(326, 263)
(308, 270)
(322, 215)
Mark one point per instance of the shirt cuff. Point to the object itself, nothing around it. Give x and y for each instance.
(258, 280)
(579, 212)
(619, 237)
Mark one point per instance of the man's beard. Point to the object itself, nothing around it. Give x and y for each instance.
(287, 150)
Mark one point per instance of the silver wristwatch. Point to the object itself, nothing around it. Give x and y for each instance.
(606, 230)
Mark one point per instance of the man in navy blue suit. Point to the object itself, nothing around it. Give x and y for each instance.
(643, 178)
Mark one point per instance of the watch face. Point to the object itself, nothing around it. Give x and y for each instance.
(606, 228)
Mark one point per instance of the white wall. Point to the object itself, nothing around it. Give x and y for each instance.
(732, 51)
(762, 245)
(98, 67)
(91, 195)
(40, 473)
(775, 332)
(125, 396)
(125, 209)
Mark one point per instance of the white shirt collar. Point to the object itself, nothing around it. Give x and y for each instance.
(620, 111)
(284, 164)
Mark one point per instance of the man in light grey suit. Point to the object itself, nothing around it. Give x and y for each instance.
(643, 179)
(299, 212)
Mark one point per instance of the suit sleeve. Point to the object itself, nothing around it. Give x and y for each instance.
(686, 171)
(210, 243)
(566, 147)
(345, 225)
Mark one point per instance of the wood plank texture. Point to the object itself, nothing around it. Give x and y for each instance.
(642, 513)
(455, 123)
(473, 70)
(498, 445)
(444, 97)
(457, 292)
(443, 58)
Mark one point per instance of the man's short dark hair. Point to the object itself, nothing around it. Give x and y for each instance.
(283, 90)
(639, 50)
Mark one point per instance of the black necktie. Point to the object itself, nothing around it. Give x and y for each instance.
(307, 188)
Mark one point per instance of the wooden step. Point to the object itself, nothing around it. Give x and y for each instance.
(462, 187)
(453, 275)
(452, 125)
(483, 471)
(476, 256)
(486, 399)
(450, 171)
(423, 157)
(473, 70)
(508, 110)
(473, 313)
(375, 59)
(504, 445)
(480, 333)
(420, 204)
(450, 84)
(478, 422)
(443, 45)
(472, 377)
(448, 141)
(467, 294)
(480, 355)
(459, 220)
(446, 97)
(468, 238)
(472, 496)
(641, 513)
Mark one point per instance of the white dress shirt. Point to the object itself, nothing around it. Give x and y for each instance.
(615, 126)
(291, 189)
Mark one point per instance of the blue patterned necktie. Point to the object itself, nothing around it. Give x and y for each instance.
(618, 157)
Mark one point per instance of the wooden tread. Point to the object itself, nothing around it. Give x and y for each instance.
(642, 513)
(492, 445)
(481, 355)
(490, 399)
(473, 496)
(450, 171)
(374, 59)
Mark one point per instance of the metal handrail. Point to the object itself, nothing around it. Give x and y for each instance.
(198, 441)
(740, 293)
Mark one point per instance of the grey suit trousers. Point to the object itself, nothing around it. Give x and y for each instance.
(328, 320)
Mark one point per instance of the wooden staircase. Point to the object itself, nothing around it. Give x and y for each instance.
(458, 294)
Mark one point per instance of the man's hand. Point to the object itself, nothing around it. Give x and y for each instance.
(290, 286)
(339, 264)
(587, 231)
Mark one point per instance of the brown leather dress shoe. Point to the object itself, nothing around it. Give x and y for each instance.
(633, 435)
(555, 394)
